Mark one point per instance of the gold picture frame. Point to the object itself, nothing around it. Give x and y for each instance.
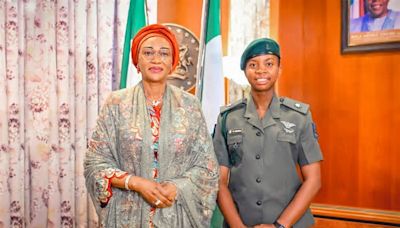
(356, 36)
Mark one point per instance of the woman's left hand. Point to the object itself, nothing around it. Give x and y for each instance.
(265, 226)
(150, 191)
(168, 190)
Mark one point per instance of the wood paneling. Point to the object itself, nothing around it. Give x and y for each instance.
(188, 14)
(182, 12)
(358, 214)
(274, 19)
(332, 223)
(355, 103)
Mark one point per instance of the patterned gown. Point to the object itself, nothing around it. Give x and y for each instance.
(169, 146)
(155, 115)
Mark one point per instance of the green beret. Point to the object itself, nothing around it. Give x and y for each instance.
(258, 47)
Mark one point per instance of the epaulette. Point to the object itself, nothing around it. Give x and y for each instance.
(235, 105)
(294, 105)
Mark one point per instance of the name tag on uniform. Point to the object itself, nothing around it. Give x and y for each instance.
(235, 131)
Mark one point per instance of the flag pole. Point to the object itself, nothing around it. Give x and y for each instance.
(146, 13)
(200, 59)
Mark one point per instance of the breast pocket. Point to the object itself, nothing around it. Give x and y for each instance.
(235, 144)
(287, 145)
(285, 137)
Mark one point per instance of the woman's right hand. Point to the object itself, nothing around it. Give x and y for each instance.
(150, 191)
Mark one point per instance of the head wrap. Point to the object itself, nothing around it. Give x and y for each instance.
(262, 46)
(152, 31)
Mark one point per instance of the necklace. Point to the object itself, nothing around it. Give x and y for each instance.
(155, 102)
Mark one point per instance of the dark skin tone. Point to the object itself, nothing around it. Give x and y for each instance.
(377, 8)
(155, 63)
(262, 73)
(149, 190)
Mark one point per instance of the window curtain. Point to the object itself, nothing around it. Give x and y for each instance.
(249, 20)
(58, 62)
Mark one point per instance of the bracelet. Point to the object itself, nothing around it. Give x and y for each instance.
(278, 225)
(127, 182)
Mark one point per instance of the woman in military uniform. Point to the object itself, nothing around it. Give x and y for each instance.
(259, 142)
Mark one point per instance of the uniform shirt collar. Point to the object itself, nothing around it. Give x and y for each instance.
(274, 108)
(251, 111)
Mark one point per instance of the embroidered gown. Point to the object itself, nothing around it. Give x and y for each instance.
(124, 142)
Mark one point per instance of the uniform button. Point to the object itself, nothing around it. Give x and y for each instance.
(258, 180)
(258, 133)
(235, 146)
(258, 156)
(259, 202)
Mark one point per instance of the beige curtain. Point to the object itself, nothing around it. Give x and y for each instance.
(237, 91)
(249, 20)
(58, 61)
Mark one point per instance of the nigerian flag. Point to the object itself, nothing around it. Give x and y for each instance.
(136, 20)
(211, 88)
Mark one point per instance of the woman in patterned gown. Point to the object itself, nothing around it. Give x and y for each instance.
(151, 161)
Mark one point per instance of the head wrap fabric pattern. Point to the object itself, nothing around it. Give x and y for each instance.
(152, 31)
(262, 46)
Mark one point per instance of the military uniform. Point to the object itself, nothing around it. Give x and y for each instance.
(262, 156)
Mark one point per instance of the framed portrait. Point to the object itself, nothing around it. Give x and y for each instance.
(369, 25)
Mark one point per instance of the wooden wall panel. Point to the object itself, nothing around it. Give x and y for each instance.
(188, 14)
(182, 12)
(355, 102)
(331, 223)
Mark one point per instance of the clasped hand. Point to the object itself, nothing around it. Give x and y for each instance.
(264, 226)
(159, 195)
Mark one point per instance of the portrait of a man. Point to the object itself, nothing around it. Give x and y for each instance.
(377, 16)
(370, 25)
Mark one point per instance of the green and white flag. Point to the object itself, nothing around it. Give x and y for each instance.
(136, 20)
(210, 86)
(212, 80)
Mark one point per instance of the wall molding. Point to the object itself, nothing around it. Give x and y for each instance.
(354, 213)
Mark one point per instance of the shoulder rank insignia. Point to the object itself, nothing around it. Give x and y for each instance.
(295, 105)
(233, 106)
